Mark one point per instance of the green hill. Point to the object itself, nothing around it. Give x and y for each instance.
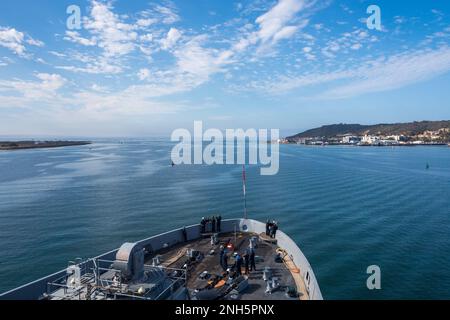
(407, 129)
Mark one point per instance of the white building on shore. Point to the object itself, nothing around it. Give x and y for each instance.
(369, 139)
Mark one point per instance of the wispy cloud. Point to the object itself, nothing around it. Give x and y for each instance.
(111, 35)
(160, 13)
(15, 41)
(95, 101)
(274, 25)
(75, 37)
(20, 93)
(377, 75)
(151, 60)
(198, 62)
(394, 72)
(172, 37)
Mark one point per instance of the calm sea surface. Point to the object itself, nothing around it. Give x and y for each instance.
(346, 207)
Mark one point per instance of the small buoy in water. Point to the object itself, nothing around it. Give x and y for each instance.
(427, 166)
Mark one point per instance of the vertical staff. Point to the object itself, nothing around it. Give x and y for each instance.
(245, 195)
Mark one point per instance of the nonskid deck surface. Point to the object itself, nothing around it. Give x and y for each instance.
(175, 257)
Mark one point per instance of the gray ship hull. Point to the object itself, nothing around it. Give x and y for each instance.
(36, 289)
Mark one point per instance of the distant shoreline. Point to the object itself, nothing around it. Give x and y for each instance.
(373, 145)
(24, 145)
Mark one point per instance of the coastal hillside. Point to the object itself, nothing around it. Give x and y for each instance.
(406, 129)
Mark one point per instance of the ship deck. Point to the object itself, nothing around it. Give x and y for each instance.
(286, 272)
(162, 267)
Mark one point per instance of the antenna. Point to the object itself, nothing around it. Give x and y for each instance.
(245, 195)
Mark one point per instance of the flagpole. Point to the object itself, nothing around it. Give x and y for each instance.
(245, 193)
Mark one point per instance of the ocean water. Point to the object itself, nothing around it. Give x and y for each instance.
(346, 207)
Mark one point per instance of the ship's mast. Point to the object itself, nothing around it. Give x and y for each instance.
(244, 189)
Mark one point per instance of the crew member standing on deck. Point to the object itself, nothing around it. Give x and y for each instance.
(252, 260)
(275, 228)
(223, 258)
(222, 253)
(184, 232)
(246, 261)
(238, 264)
(202, 225)
(219, 220)
(213, 224)
(271, 226)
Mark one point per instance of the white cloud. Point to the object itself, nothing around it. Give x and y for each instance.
(399, 20)
(57, 54)
(45, 88)
(3, 63)
(274, 25)
(98, 88)
(116, 38)
(172, 37)
(113, 35)
(50, 82)
(143, 74)
(343, 43)
(164, 14)
(395, 72)
(146, 37)
(284, 84)
(274, 21)
(146, 22)
(198, 63)
(195, 61)
(370, 76)
(334, 47)
(135, 100)
(110, 34)
(75, 37)
(12, 39)
(346, 9)
(363, 34)
(15, 40)
(310, 56)
(285, 33)
(167, 14)
(35, 42)
(127, 48)
(97, 102)
(98, 67)
(327, 53)
(439, 14)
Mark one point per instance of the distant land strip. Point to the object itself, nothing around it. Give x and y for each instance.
(19, 145)
(410, 133)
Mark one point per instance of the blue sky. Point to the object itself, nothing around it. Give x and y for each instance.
(139, 68)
